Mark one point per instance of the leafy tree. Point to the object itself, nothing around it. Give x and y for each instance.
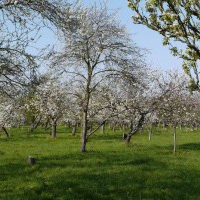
(178, 22)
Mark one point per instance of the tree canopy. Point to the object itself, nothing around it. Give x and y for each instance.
(20, 28)
(178, 21)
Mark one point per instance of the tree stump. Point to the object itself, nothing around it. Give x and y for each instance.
(31, 160)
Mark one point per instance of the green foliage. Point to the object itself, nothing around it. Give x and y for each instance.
(178, 22)
(109, 170)
(193, 86)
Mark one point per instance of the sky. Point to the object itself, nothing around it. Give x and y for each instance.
(159, 56)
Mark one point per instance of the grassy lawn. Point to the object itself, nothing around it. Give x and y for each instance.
(109, 170)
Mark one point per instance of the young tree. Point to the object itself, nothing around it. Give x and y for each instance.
(174, 105)
(178, 22)
(96, 49)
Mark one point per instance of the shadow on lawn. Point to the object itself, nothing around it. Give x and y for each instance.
(98, 175)
(125, 180)
(190, 146)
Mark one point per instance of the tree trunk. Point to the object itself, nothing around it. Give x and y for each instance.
(123, 127)
(103, 128)
(192, 127)
(78, 124)
(175, 139)
(90, 127)
(180, 126)
(5, 131)
(129, 135)
(150, 131)
(54, 128)
(135, 129)
(128, 139)
(84, 131)
(85, 110)
(35, 123)
(165, 126)
(74, 127)
(47, 125)
(68, 124)
(114, 127)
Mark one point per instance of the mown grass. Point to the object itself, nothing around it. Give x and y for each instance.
(109, 170)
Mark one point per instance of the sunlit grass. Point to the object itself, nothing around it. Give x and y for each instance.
(109, 170)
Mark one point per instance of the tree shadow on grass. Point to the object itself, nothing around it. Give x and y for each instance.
(148, 161)
(186, 146)
(98, 175)
(190, 146)
(106, 137)
(128, 180)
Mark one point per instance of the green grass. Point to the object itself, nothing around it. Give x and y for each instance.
(109, 170)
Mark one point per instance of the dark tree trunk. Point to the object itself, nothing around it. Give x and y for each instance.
(135, 129)
(175, 138)
(121, 125)
(35, 124)
(78, 124)
(84, 132)
(110, 126)
(74, 128)
(47, 125)
(54, 128)
(128, 139)
(5, 131)
(68, 124)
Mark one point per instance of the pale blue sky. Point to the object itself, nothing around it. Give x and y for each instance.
(159, 55)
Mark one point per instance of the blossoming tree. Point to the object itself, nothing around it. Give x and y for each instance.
(51, 102)
(97, 48)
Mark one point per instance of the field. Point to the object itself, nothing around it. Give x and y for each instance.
(108, 170)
